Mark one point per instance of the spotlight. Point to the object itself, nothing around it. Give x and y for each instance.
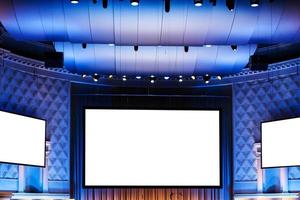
(124, 78)
(84, 45)
(134, 2)
(213, 2)
(110, 76)
(136, 48)
(111, 45)
(83, 75)
(186, 49)
(198, 3)
(207, 45)
(193, 77)
(138, 77)
(152, 79)
(219, 77)
(206, 78)
(96, 77)
(230, 4)
(167, 5)
(180, 80)
(74, 1)
(166, 77)
(104, 3)
(254, 3)
(234, 47)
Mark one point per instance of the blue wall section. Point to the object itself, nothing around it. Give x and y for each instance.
(253, 102)
(41, 97)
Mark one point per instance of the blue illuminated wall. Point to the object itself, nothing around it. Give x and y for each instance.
(46, 98)
(253, 102)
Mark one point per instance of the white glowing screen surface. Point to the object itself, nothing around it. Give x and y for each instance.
(22, 139)
(152, 148)
(280, 143)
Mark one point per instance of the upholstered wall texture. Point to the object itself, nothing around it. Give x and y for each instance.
(41, 97)
(253, 102)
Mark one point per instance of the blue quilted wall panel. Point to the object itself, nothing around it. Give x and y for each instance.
(41, 97)
(257, 101)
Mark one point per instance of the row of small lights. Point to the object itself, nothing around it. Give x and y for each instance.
(206, 78)
(197, 3)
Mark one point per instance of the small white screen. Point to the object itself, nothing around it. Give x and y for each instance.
(152, 148)
(22, 139)
(280, 143)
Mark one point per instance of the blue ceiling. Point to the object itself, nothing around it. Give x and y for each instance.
(160, 35)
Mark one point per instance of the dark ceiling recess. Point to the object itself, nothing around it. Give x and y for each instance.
(136, 48)
(167, 5)
(213, 2)
(230, 4)
(186, 49)
(104, 3)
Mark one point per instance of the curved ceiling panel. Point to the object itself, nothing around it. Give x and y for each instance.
(161, 60)
(149, 24)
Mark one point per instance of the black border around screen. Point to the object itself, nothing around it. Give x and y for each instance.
(154, 186)
(261, 160)
(26, 164)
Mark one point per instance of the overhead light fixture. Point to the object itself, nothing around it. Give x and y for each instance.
(219, 77)
(198, 3)
(124, 78)
(138, 77)
(83, 75)
(186, 49)
(206, 78)
(134, 2)
(111, 45)
(110, 76)
(166, 77)
(207, 45)
(104, 3)
(96, 77)
(213, 2)
(193, 77)
(152, 79)
(136, 48)
(84, 45)
(167, 5)
(230, 4)
(254, 3)
(234, 47)
(74, 1)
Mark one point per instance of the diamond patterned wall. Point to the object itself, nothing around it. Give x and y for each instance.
(258, 101)
(45, 98)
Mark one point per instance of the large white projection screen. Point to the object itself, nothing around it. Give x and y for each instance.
(280, 143)
(22, 139)
(152, 148)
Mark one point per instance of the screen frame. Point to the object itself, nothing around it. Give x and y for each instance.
(45, 142)
(261, 160)
(220, 186)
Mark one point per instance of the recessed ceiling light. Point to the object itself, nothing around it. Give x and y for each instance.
(83, 75)
(254, 3)
(138, 77)
(198, 3)
(74, 1)
(134, 2)
(96, 77)
(110, 76)
(193, 77)
(207, 45)
(166, 77)
(111, 45)
(219, 78)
